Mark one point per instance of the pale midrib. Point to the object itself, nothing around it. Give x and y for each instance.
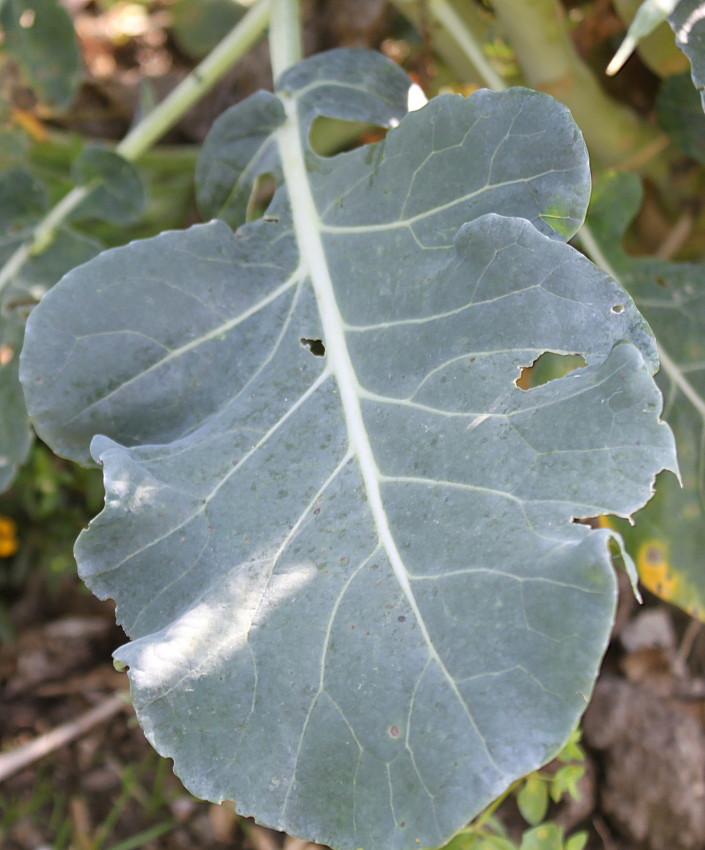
(308, 228)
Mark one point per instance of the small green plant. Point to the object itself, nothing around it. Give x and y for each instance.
(533, 795)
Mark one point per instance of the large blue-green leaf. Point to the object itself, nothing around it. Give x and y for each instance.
(340, 536)
(668, 539)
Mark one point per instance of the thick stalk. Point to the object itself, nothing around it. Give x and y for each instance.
(241, 38)
(457, 31)
(284, 35)
(615, 136)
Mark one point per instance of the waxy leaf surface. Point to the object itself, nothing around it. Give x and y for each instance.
(341, 538)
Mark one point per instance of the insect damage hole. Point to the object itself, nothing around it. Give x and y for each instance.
(315, 346)
(548, 366)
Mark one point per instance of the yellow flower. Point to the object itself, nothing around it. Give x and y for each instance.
(9, 543)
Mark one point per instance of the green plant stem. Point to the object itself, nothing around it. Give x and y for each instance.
(60, 148)
(446, 15)
(144, 135)
(240, 39)
(457, 31)
(284, 35)
(615, 136)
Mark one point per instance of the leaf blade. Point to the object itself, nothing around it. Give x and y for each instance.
(402, 491)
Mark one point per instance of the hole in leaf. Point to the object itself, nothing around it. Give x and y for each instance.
(660, 280)
(618, 308)
(315, 346)
(260, 197)
(548, 366)
(330, 136)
